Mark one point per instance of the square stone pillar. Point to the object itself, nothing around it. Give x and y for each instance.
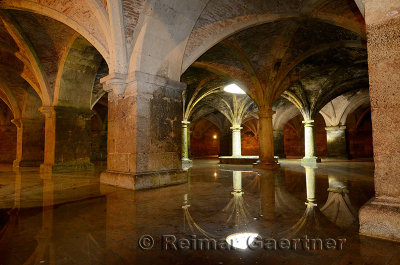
(67, 138)
(380, 217)
(337, 142)
(144, 133)
(30, 142)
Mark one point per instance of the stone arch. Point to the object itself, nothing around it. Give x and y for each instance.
(361, 100)
(214, 33)
(77, 73)
(281, 117)
(8, 97)
(8, 133)
(77, 15)
(165, 34)
(202, 141)
(337, 110)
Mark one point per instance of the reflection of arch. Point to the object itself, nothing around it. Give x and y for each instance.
(338, 208)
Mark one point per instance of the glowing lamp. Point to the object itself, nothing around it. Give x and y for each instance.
(234, 89)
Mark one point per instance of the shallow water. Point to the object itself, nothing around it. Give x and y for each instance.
(69, 218)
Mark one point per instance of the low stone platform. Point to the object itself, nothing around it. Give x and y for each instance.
(243, 160)
(148, 180)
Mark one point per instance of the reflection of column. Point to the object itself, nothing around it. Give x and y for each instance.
(29, 142)
(310, 184)
(236, 141)
(237, 181)
(336, 142)
(309, 146)
(121, 230)
(309, 223)
(285, 202)
(185, 142)
(17, 193)
(266, 140)
(279, 149)
(236, 207)
(267, 194)
(44, 252)
(338, 207)
(380, 217)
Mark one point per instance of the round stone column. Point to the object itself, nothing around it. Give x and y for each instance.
(236, 141)
(266, 140)
(309, 152)
(185, 141)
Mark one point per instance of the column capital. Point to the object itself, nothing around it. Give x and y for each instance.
(265, 112)
(17, 122)
(185, 122)
(48, 111)
(236, 128)
(115, 82)
(308, 123)
(335, 128)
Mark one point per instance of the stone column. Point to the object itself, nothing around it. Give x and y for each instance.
(380, 216)
(267, 194)
(185, 140)
(144, 132)
(67, 138)
(337, 142)
(279, 150)
(236, 141)
(30, 142)
(185, 144)
(309, 145)
(266, 140)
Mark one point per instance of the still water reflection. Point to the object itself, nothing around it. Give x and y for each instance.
(72, 219)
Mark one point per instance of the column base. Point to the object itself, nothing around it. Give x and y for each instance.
(66, 167)
(310, 160)
(186, 163)
(381, 219)
(27, 163)
(280, 156)
(145, 180)
(267, 165)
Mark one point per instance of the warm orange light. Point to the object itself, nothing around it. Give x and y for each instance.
(215, 136)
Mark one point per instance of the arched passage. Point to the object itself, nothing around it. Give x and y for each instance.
(8, 134)
(205, 139)
(359, 127)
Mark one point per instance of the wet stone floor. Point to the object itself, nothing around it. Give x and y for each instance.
(298, 215)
